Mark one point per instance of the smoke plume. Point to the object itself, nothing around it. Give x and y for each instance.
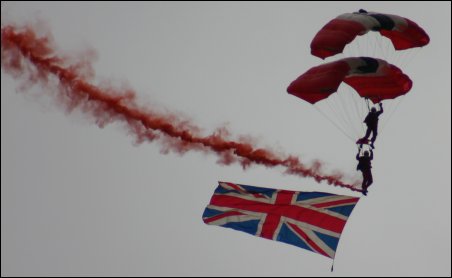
(27, 55)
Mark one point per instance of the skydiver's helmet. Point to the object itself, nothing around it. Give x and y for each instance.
(373, 110)
(366, 153)
(362, 11)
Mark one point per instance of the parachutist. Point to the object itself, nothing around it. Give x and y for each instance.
(371, 121)
(365, 166)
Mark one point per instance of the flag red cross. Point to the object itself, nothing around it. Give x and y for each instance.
(282, 204)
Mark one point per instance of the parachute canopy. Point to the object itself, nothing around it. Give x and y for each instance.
(372, 78)
(342, 30)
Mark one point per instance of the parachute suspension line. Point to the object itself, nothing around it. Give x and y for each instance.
(378, 45)
(383, 47)
(375, 45)
(372, 43)
(358, 110)
(411, 55)
(382, 43)
(415, 52)
(367, 102)
(390, 51)
(401, 99)
(400, 56)
(347, 109)
(394, 54)
(346, 112)
(369, 52)
(336, 114)
(356, 47)
(365, 49)
(340, 129)
(355, 110)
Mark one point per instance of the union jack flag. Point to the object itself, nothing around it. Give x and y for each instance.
(310, 220)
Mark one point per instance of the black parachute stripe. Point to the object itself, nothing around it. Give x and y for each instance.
(370, 67)
(386, 23)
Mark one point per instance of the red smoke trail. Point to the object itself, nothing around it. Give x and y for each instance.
(22, 48)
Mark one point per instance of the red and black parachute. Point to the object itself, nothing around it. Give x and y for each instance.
(374, 79)
(342, 30)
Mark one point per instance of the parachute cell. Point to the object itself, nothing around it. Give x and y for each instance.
(339, 32)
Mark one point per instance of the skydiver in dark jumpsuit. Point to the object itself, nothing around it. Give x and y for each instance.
(365, 166)
(371, 121)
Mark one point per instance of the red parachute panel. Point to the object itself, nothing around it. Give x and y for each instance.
(319, 82)
(412, 36)
(334, 36)
(392, 84)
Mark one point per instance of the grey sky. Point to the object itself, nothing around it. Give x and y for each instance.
(80, 200)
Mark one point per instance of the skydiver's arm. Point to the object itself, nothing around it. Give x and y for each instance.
(381, 109)
(371, 155)
(359, 152)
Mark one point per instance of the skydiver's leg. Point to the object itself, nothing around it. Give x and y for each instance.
(374, 134)
(370, 179)
(365, 182)
(368, 131)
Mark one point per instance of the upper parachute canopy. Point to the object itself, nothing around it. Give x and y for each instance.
(342, 30)
(372, 78)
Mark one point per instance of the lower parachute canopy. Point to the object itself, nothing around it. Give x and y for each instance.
(374, 79)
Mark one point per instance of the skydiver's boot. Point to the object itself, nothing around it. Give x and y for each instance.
(364, 191)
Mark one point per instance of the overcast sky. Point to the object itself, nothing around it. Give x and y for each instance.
(80, 200)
